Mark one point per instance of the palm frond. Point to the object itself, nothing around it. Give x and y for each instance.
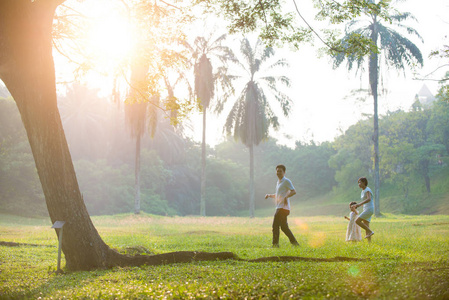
(402, 17)
(204, 81)
(352, 60)
(267, 53)
(398, 50)
(248, 54)
(280, 63)
(411, 31)
(251, 115)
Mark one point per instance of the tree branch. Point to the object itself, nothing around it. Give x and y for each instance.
(310, 27)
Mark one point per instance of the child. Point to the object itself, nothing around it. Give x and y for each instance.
(353, 233)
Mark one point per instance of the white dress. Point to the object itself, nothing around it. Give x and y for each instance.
(354, 232)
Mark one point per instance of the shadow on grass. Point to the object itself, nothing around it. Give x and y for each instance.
(13, 244)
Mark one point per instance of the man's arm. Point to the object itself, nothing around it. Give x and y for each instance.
(289, 194)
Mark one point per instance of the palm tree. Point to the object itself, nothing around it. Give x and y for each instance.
(140, 113)
(151, 55)
(83, 117)
(397, 50)
(251, 116)
(207, 80)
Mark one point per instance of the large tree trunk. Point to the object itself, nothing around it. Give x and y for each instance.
(203, 168)
(373, 81)
(27, 69)
(251, 182)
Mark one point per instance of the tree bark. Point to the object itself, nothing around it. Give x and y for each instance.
(373, 70)
(136, 109)
(27, 69)
(137, 177)
(251, 182)
(425, 172)
(203, 168)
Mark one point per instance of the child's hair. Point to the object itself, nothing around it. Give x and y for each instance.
(364, 180)
(352, 203)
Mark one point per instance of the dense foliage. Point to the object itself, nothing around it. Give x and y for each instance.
(414, 165)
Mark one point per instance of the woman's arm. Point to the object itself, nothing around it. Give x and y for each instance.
(368, 199)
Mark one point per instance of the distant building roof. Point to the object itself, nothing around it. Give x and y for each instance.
(425, 96)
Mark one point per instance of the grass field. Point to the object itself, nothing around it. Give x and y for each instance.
(408, 258)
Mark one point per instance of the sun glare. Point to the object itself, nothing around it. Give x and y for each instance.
(109, 39)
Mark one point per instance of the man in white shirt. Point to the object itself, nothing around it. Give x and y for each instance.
(284, 190)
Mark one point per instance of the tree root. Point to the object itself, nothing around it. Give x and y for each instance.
(122, 260)
(13, 244)
(299, 258)
(191, 256)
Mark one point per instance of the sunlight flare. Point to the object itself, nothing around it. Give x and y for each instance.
(303, 226)
(317, 239)
(110, 37)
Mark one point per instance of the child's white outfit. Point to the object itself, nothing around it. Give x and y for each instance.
(354, 232)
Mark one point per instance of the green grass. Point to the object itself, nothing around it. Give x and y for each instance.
(408, 258)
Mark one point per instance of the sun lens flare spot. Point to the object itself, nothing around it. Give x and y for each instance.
(317, 239)
(354, 271)
(301, 224)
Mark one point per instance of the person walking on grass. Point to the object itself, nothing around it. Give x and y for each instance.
(353, 232)
(284, 190)
(368, 207)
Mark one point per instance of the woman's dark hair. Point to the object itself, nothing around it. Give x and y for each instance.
(364, 180)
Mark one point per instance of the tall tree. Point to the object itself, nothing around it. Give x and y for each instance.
(207, 79)
(398, 52)
(27, 69)
(136, 107)
(152, 54)
(251, 116)
(83, 117)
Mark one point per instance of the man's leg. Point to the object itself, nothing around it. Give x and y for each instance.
(276, 225)
(286, 229)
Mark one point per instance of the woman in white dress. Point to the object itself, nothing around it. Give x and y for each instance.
(354, 232)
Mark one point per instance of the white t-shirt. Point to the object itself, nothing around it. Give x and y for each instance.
(282, 187)
(363, 196)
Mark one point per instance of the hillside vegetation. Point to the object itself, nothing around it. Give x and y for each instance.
(414, 167)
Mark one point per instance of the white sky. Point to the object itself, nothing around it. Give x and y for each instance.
(320, 111)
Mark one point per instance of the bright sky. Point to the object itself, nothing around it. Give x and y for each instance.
(320, 110)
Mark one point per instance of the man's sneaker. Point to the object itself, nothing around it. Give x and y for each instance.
(369, 234)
